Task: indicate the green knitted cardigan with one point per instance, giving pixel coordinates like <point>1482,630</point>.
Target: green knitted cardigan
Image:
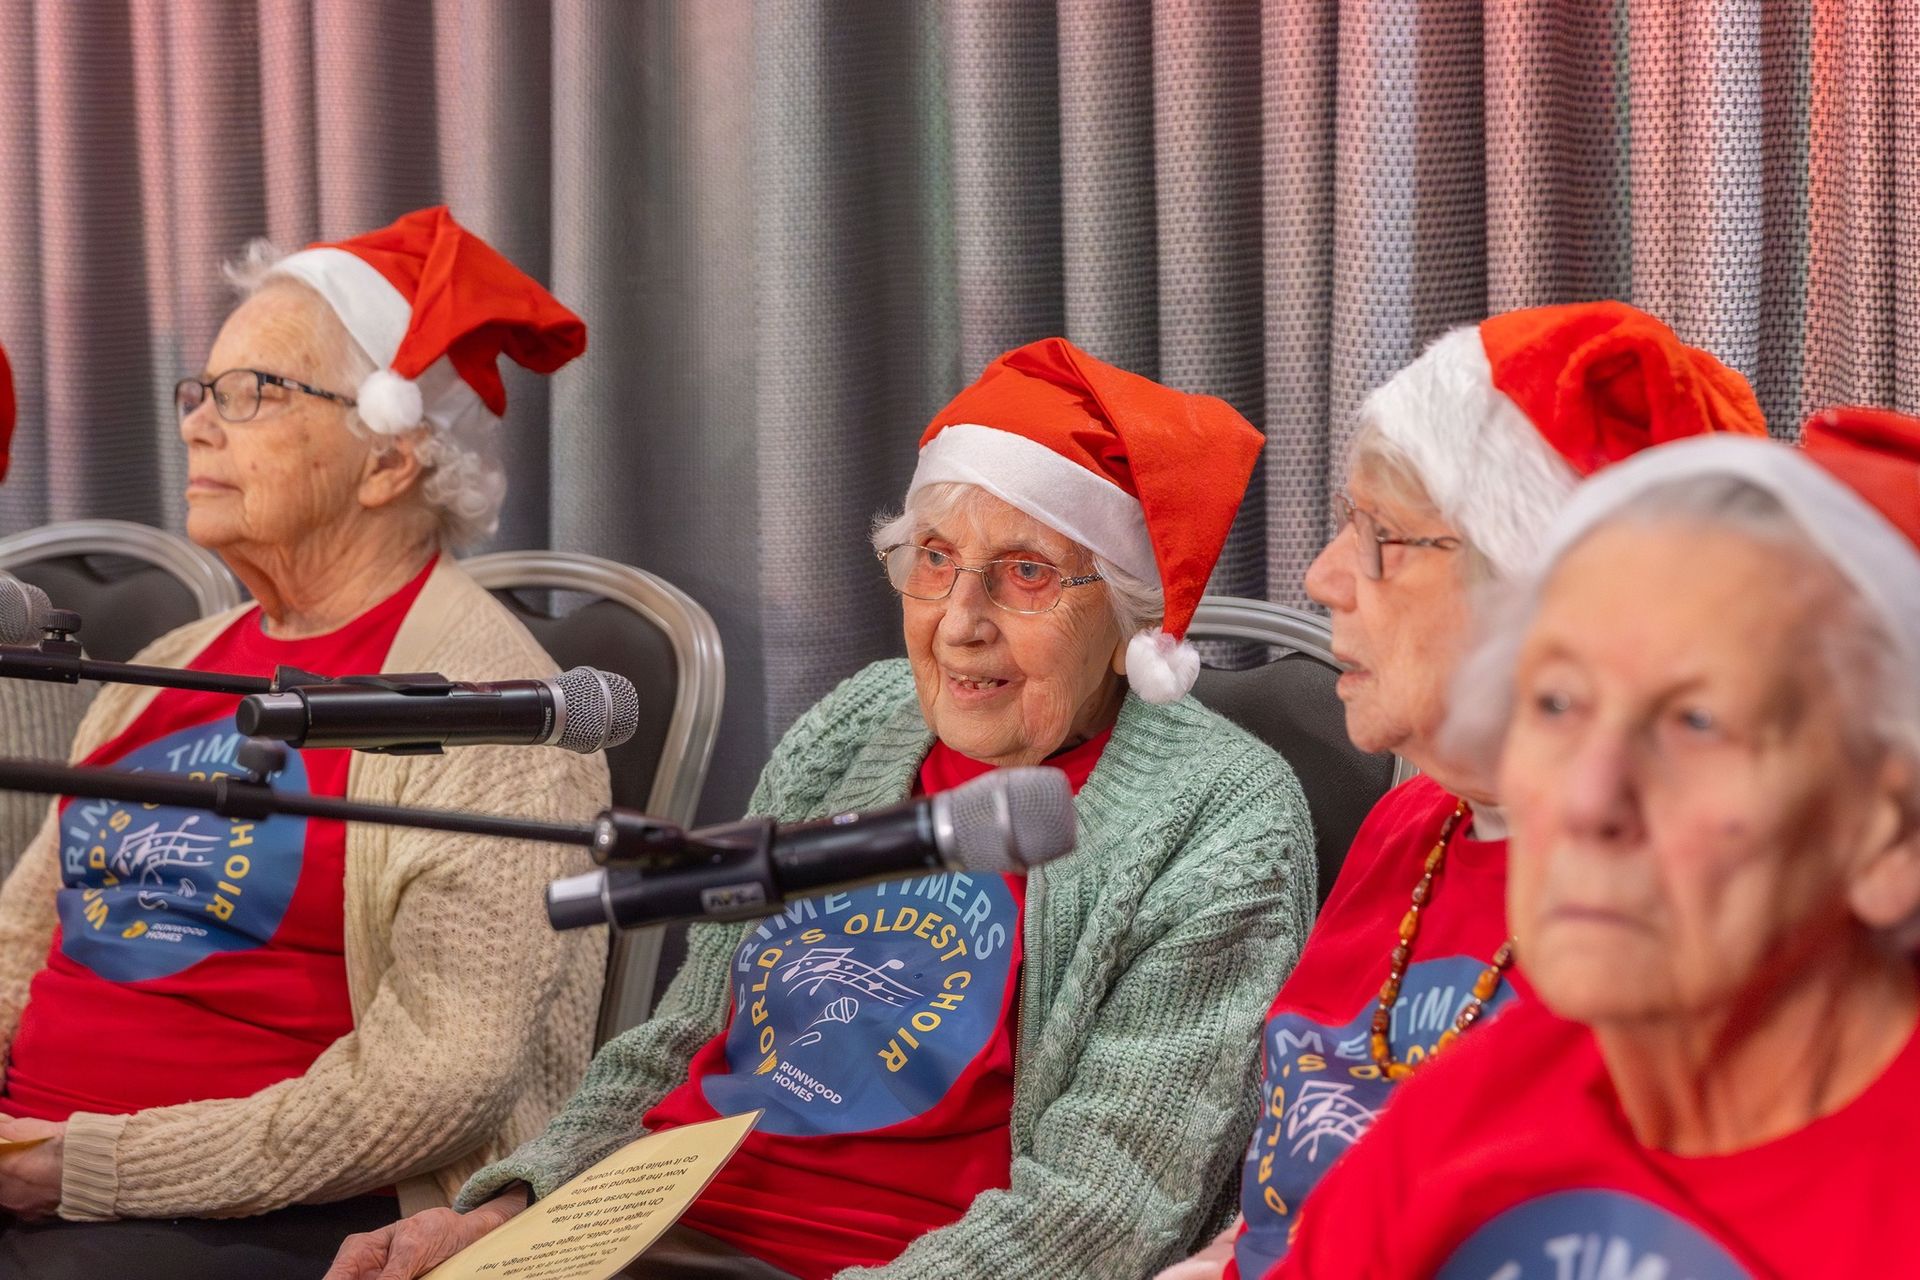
<point>1151,955</point>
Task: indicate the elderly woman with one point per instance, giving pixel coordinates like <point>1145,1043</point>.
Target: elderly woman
<point>212,1018</point>
<point>1712,767</point>
<point>1080,1111</point>
<point>1460,462</point>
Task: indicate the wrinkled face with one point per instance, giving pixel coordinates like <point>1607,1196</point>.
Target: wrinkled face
<point>1685,812</point>
<point>296,466</point>
<point>1009,688</point>
<point>1400,638</point>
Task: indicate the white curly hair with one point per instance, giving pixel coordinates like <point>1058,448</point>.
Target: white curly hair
<point>465,480</point>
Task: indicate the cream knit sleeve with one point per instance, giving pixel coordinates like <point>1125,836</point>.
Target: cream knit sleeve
<point>28,902</point>
<point>440,1050</point>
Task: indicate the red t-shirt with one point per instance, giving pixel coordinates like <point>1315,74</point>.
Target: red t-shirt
<point>1511,1160</point>
<point>1320,1089</point>
<point>876,1027</point>
<point>196,956</point>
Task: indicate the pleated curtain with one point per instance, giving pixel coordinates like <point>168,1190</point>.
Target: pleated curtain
<point>796,227</point>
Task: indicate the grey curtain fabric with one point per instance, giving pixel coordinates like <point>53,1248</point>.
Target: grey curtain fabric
<point>796,226</point>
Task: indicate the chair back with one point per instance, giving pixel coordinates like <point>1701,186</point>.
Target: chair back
<point>638,625</point>
<point>130,583</point>
<point>1289,703</point>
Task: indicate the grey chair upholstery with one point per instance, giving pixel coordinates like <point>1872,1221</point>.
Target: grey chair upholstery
<point>1290,704</point>
<point>129,583</point>
<point>646,629</point>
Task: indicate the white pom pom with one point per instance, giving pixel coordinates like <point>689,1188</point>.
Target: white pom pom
<point>1161,668</point>
<point>390,403</point>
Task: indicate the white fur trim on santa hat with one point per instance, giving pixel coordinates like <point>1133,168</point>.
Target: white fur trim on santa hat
<point>1058,492</point>
<point>1868,550</point>
<point>376,316</point>
<point>1489,471</point>
<point>389,403</point>
<point>1161,668</point>
<point>374,312</point>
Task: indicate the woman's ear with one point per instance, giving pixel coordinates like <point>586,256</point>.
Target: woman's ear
<point>1885,889</point>
<point>391,472</point>
<point>1119,660</point>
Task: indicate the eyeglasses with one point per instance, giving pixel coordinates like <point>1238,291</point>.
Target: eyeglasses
<point>1018,586</point>
<point>236,393</point>
<point>1367,527</point>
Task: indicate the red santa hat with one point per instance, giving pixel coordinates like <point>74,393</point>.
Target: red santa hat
<point>6,413</point>
<point>435,307</point>
<point>1502,419</point>
<point>1876,453</point>
<point>1146,477</point>
<point>1854,491</point>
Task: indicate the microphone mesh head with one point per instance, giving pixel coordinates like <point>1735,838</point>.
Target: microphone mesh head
<point>602,709</point>
<point>23,610</point>
<point>1012,819</point>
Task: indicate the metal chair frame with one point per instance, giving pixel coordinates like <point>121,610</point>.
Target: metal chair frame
<point>1263,622</point>
<point>699,660</point>
<point>214,589</point>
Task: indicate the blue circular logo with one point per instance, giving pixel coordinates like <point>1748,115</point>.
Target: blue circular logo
<point>856,1011</point>
<point>1321,1092</point>
<point>149,890</point>
<point>1590,1233</point>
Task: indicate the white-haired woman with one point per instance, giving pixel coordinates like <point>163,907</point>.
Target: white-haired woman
<point>986,1076</point>
<point>208,1018</point>
<point>1461,460</point>
<point>1711,765</point>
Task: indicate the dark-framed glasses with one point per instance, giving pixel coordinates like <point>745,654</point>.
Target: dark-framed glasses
<point>1372,538</point>
<point>236,393</point>
<point>1018,586</point>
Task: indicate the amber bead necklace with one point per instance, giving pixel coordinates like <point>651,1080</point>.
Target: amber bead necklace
<point>1483,987</point>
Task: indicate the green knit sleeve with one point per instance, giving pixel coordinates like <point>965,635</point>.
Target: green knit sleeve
<point>633,1071</point>
<point>1127,1163</point>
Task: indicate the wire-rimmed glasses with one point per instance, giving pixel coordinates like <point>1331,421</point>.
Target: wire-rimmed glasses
<point>1372,539</point>
<point>1018,586</point>
<point>236,393</point>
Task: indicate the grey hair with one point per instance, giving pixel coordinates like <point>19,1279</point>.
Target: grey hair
<point>1862,661</point>
<point>1137,604</point>
<point>463,480</point>
<point>1388,469</point>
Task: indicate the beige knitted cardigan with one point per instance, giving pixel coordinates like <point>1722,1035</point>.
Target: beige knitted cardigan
<point>473,1021</point>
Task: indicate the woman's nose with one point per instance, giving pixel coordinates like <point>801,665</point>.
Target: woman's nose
<point>969,615</point>
<point>1330,576</point>
<point>1600,795</point>
<point>201,425</point>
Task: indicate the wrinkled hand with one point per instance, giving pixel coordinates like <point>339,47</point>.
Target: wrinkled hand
<point>414,1246</point>
<point>30,1179</point>
<point>1210,1262</point>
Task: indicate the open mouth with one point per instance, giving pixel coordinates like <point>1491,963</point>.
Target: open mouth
<point>974,684</point>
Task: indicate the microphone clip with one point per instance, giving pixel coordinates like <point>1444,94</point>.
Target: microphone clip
<point>58,627</point>
<point>656,871</point>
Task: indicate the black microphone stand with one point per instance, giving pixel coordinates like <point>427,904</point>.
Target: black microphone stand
<point>250,796</point>
<point>60,662</point>
<point>58,659</point>
<point>655,869</point>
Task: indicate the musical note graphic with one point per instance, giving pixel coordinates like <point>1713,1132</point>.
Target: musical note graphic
<point>151,857</point>
<point>821,965</point>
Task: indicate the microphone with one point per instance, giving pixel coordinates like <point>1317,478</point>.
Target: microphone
<point>24,610</point>
<point>1008,820</point>
<point>582,710</point>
